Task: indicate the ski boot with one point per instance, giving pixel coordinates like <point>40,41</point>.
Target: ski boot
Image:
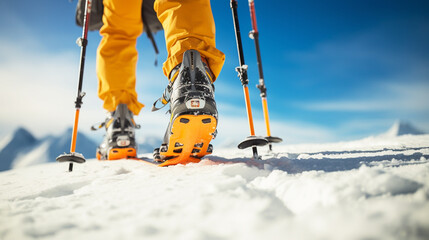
<point>193,112</point>
<point>119,141</point>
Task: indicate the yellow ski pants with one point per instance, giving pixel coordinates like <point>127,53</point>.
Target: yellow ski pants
<point>188,24</point>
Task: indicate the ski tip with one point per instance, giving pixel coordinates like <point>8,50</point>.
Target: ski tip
<point>71,157</point>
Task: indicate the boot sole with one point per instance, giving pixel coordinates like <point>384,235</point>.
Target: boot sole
<point>189,140</point>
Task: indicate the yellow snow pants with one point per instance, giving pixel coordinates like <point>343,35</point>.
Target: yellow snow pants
<point>188,24</point>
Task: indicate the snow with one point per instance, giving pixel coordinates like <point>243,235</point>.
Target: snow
<point>375,188</point>
<point>36,156</point>
<point>5,141</point>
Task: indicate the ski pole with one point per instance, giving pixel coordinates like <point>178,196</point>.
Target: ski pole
<point>81,42</point>
<point>254,34</point>
<point>252,140</point>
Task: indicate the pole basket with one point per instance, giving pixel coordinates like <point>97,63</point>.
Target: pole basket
<point>253,141</point>
<point>71,157</point>
<point>272,139</point>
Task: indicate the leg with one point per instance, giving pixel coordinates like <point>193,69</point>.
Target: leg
<point>117,54</point>
<point>190,37</point>
<point>189,24</point>
<point>116,70</point>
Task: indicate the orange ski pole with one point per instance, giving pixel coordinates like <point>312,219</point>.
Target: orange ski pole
<point>254,34</point>
<point>248,109</point>
<point>82,42</point>
<point>252,140</point>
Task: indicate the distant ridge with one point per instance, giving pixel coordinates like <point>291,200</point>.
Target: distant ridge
<point>400,128</point>
<point>19,142</point>
<point>22,149</point>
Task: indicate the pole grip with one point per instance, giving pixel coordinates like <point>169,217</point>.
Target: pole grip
<point>86,16</point>
<point>253,16</point>
<point>237,32</point>
<point>84,42</point>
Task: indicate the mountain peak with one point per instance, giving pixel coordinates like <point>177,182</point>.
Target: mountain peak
<point>22,133</point>
<point>20,141</point>
<point>400,128</point>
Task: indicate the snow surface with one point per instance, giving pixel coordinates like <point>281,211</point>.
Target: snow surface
<point>375,188</point>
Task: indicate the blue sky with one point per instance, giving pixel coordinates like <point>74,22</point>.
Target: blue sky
<point>335,70</point>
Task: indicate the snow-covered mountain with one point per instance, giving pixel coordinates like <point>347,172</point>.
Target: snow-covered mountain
<point>22,149</point>
<point>400,128</point>
<point>19,142</point>
<point>374,188</point>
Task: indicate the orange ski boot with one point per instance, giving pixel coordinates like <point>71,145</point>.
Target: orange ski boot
<point>119,141</point>
<point>193,113</point>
